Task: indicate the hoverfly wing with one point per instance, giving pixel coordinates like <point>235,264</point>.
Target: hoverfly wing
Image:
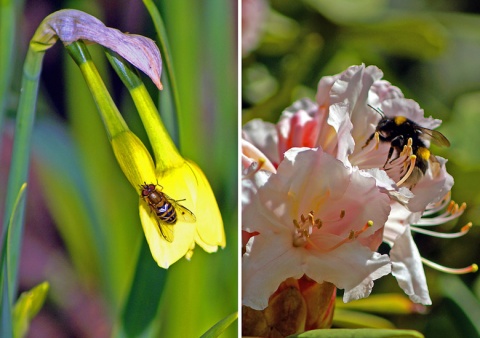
<point>183,214</point>
<point>436,137</point>
<point>166,230</point>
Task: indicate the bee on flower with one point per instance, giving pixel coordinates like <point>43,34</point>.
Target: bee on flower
<point>343,124</point>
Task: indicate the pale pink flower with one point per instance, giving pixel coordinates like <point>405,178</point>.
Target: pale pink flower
<point>343,119</point>
<point>313,217</point>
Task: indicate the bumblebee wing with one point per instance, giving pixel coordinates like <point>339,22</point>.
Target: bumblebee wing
<point>166,230</point>
<point>437,137</point>
<point>183,213</point>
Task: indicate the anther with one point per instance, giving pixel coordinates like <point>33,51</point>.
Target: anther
<point>467,227</point>
<point>310,218</point>
<point>451,205</point>
<point>413,158</point>
<point>377,140</point>
<point>365,228</point>
<point>304,227</point>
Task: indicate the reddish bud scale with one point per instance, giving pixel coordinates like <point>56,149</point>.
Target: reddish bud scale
<point>296,306</point>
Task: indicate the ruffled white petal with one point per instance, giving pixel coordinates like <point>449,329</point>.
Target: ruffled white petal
<point>268,261</point>
<point>407,268</point>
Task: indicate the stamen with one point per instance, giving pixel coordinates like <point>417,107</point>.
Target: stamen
<point>462,232</point>
<point>452,212</point>
<point>413,158</point>
<point>433,208</point>
<point>304,228</point>
<point>468,269</point>
<point>365,228</point>
<point>407,149</point>
<point>352,235</point>
<point>341,216</point>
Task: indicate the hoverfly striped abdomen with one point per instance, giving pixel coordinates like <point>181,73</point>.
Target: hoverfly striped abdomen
<point>166,212</point>
<point>166,209</point>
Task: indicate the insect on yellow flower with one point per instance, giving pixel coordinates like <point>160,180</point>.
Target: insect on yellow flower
<point>166,208</point>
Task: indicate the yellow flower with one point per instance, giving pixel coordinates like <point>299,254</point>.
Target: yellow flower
<point>180,181</point>
<point>183,182</point>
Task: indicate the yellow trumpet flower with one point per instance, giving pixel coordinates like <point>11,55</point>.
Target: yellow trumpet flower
<point>179,181</point>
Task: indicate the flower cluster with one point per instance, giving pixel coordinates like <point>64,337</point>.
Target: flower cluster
<point>326,185</point>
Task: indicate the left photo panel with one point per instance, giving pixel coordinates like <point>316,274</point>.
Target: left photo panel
<point>118,168</point>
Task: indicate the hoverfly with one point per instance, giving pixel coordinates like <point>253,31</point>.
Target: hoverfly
<point>398,130</point>
<point>167,209</point>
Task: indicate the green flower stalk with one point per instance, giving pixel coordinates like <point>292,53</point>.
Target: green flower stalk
<point>181,182</point>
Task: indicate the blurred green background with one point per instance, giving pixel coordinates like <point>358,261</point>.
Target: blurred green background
<point>82,231</point>
<point>430,50</point>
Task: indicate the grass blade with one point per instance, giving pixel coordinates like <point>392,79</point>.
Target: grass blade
<point>220,327</point>
<point>6,329</point>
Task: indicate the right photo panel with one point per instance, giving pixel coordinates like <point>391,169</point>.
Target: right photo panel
<point>359,168</point>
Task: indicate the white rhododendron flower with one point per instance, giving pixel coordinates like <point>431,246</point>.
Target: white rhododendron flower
<point>314,217</point>
<point>344,123</point>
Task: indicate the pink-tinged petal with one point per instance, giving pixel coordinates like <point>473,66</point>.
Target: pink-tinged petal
<point>262,135</point>
<point>436,183</point>
<point>400,218</point>
<point>339,119</point>
<point>251,154</point>
<point>252,181</point>
<point>409,109</point>
<point>323,90</point>
<point>311,180</point>
<point>348,111</point>
<point>379,265</point>
<point>387,185</point>
<point>250,188</point>
<point>383,90</point>
<point>336,244</point>
<point>352,260</point>
<point>266,265</point>
<point>305,173</point>
<point>407,268</point>
<point>298,126</point>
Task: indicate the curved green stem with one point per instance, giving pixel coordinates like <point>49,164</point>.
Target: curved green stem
<point>170,102</point>
<point>111,117</point>
<point>165,151</point>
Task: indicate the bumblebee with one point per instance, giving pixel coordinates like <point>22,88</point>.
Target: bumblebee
<point>166,208</point>
<point>398,130</point>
